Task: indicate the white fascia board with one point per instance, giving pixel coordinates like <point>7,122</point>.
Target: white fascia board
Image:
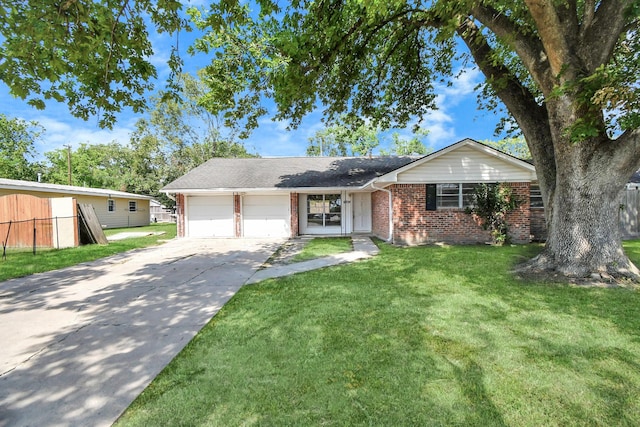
<point>370,185</point>
<point>80,191</point>
<point>275,190</point>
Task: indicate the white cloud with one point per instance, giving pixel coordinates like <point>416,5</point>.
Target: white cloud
<point>278,125</point>
<point>444,122</point>
<point>74,132</point>
<point>272,139</point>
<point>464,84</point>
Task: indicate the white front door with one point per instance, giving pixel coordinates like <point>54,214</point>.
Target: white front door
<point>361,203</point>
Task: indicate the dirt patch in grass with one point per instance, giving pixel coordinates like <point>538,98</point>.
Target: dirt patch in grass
<point>287,252</point>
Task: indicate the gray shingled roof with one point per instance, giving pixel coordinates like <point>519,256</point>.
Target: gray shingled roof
<point>286,172</point>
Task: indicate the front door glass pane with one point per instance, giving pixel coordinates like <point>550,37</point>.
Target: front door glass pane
<point>334,217</point>
<point>324,210</point>
<point>315,210</point>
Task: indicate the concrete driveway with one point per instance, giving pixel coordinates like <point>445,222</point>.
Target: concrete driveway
<point>78,345</point>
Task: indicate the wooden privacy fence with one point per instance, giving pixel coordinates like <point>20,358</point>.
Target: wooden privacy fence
<point>32,222</point>
<point>628,213</point>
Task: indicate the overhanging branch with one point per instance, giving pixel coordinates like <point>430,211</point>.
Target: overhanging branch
<point>532,118</point>
<point>603,33</point>
<point>553,37</point>
<point>528,48</point>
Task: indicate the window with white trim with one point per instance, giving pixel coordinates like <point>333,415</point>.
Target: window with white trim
<point>454,195</point>
<point>133,206</point>
<point>111,205</point>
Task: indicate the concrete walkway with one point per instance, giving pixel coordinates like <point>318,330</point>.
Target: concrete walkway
<point>363,248</point>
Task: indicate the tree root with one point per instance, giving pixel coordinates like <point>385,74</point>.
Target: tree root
<point>544,268</point>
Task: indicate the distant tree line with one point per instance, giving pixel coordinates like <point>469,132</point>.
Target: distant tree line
<point>342,139</point>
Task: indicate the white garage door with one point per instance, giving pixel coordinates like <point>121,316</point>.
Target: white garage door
<point>210,216</point>
<point>266,216</point>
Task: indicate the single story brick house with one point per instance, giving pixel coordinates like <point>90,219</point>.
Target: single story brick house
<point>405,200</point>
<point>113,208</point>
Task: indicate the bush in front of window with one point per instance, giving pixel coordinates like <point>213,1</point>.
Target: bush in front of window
<point>491,203</point>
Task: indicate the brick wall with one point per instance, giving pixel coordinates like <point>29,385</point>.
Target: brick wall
<point>295,224</point>
<point>237,216</point>
<point>380,214</point>
<point>180,214</point>
<point>519,220</point>
<point>413,224</point>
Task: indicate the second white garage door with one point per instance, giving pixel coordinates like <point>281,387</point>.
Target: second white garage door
<point>210,216</point>
<point>266,216</point>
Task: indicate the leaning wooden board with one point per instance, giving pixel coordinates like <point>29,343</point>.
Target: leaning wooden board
<point>89,220</point>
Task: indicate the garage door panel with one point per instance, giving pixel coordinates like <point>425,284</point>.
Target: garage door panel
<point>210,216</point>
<point>266,216</point>
<point>266,211</point>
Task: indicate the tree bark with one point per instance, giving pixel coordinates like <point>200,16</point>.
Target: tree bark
<point>584,237</point>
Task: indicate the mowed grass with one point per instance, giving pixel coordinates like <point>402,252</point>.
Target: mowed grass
<point>324,246</point>
<point>19,263</point>
<point>428,336</point>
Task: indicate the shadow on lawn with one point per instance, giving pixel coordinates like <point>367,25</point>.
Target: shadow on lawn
<point>560,328</point>
<point>391,326</point>
<point>92,336</point>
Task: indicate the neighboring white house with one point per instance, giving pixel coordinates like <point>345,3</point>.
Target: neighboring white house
<point>114,208</point>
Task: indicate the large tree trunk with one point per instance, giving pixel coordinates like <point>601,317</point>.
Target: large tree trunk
<point>583,203</point>
<point>584,237</point>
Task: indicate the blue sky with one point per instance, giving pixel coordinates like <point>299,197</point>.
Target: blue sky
<point>457,117</point>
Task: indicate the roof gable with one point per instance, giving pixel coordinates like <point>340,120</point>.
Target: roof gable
<point>464,161</point>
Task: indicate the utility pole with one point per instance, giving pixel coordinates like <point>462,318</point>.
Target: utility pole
<point>69,162</point>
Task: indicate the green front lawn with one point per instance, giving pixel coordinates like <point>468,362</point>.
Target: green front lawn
<point>415,336</point>
<point>324,246</point>
<point>21,263</point>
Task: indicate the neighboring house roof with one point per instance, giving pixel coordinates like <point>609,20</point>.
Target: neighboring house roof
<point>286,173</point>
<point>13,184</point>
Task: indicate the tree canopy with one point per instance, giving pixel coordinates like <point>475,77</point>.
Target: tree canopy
<point>401,146</point>
<point>17,139</point>
<point>340,140</point>
<point>95,56</point>
<point>176,136</point>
